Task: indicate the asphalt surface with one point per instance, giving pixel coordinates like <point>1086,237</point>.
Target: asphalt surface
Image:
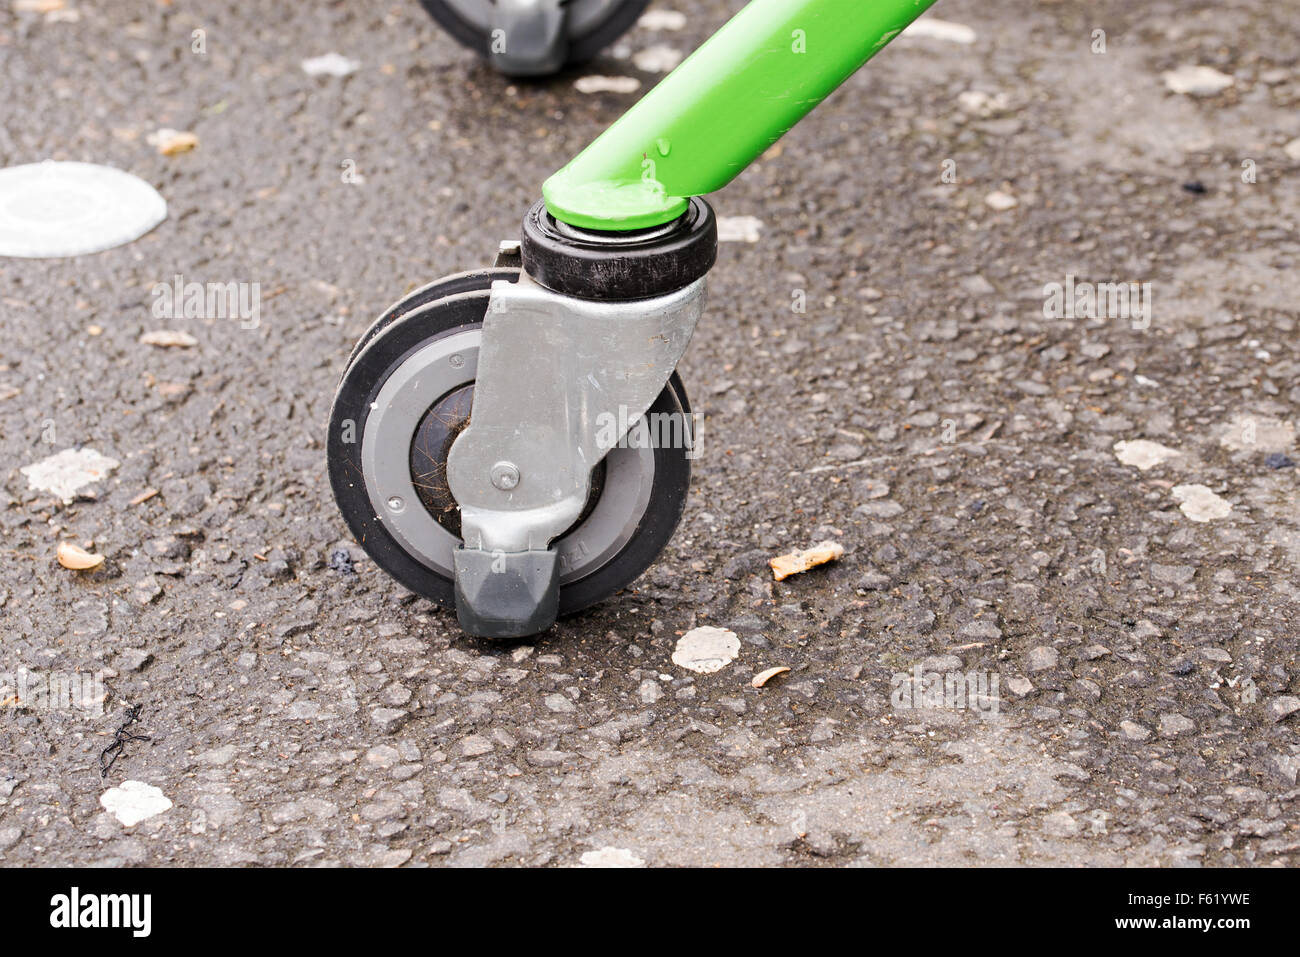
<point>922,411</point>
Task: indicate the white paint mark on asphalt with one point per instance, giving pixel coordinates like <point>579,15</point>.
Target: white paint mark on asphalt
<point>66,473</point>
<point>662,20</point>
<point>932,28</point>
<point>658,59</point>
<point>1000,201</point>
<point>168,339</point>
<point>607,84</point>
<point>134,801</point>
<point>53,210</point>
<point>1199,503</point>
<point>739,229</point>
<point>1197,80</point>
<point>331,64</point>
<point>611,857</point>
<point>706,650</point>
<point>1144,454</point>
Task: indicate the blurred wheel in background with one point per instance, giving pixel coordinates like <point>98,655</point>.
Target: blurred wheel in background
<point>535,37</point>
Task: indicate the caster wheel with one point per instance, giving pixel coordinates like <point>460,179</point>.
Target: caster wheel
<point>592,24</point>
<point>406,395</point>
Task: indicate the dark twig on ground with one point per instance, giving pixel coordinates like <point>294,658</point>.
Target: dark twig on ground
<point>108,757</point>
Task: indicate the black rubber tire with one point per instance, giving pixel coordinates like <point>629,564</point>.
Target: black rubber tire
<point>389,341</point>
<point>438,289</point>
<point>581,48</point>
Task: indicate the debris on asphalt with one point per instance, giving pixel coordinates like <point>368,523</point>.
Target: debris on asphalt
<point>1199,503</point>
<point>1292,149</point>
<point>1197,80</point>
<point>171,142</point>
<point>662,20</point>
<point>783,566</point>
<point>706,649</point>
<point>763,677</point>
<point>168,338</point>
<point>1277,460</point>
<point>659,58</point>
<point>66,473</point>
<point>134,801</point>
<point>932,28</point>
<point>330,64</point>
<point>739,229</point>
<point>143,496</point>
<point>341,562</point>
<point>1000,201</point>
<point>611,857</point>
<point>77,558</point>
<point>981,104</point>
<point>38,6</point>
<point>607,84</point>
<point>53,210</point>
<point>1143,454</point>
<point>108,757</point>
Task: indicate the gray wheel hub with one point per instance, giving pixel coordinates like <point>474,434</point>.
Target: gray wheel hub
<point>431,372</point>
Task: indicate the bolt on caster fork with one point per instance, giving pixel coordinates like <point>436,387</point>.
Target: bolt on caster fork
<point>470,443</point>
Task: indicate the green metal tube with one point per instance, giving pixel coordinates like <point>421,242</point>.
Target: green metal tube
<point>722,108</point>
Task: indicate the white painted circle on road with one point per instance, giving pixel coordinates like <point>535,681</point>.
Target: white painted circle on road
<point>53,210</point>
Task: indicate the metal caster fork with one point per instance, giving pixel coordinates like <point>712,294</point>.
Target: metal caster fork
<point>519,451</point>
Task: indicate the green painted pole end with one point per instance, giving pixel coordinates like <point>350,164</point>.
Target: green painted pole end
<point>605,205</point>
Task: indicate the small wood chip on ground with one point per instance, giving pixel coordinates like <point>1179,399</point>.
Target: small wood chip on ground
<point>763,677</point>
<point>77,558</point>
<point>168,338</point>
<point>169,142</point>
<point>783,566</point>
<point>143,496</point>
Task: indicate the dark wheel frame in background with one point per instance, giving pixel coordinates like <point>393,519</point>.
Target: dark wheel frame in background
<point>581,48</point>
